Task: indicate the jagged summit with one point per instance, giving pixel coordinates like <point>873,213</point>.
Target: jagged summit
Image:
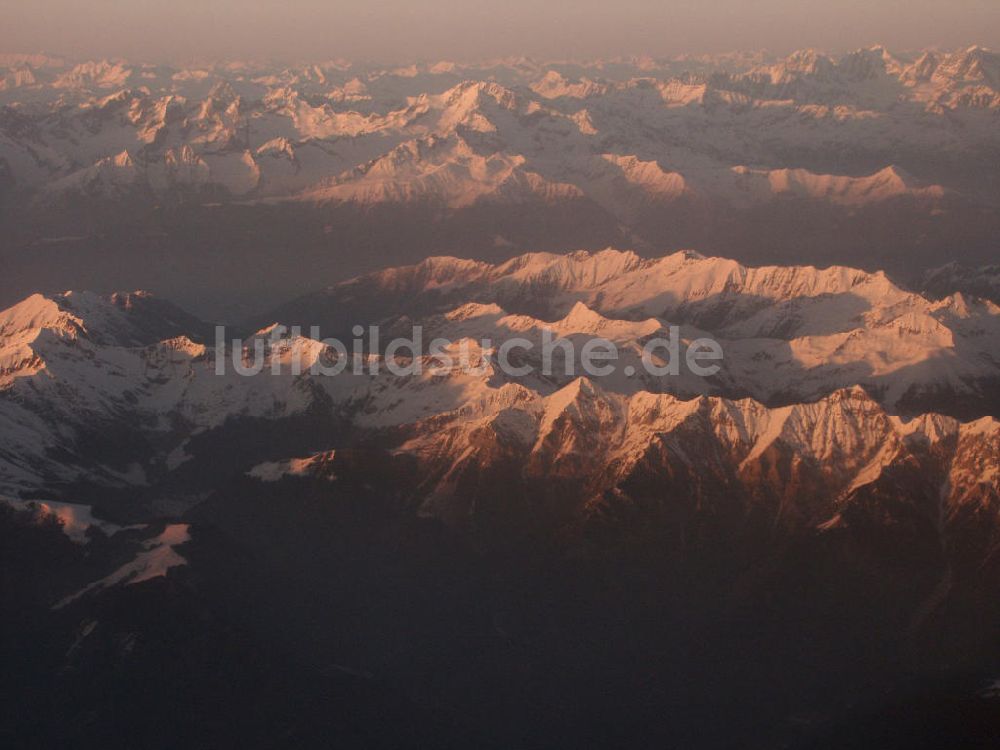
<point>694,276</point>
<point>122,318</point>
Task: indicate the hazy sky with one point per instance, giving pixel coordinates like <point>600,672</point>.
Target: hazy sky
<point>397,30</point>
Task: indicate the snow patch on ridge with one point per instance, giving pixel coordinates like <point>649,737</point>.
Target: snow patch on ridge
<point>157,558</point>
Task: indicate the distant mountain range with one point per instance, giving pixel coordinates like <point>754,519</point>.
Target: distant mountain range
<point>616,132</point>
<point>738,155</point>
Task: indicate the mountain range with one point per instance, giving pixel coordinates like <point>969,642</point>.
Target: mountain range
<point>839,470</point>
<point>284,460</point>
<point>834,374</point>
<point>736,155</point>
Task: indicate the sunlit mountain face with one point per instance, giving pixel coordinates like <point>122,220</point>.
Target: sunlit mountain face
<point>615,403</point>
